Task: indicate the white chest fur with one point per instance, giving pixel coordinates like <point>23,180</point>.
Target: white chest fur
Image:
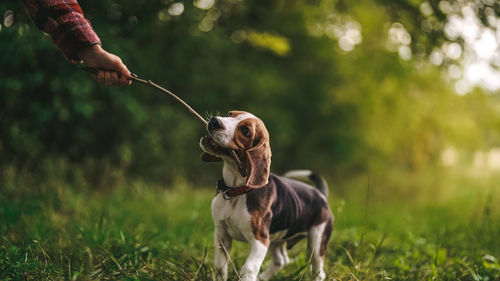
<point>231,216</point>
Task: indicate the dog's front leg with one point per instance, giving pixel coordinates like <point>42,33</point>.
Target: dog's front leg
<point>251,268</point>
<point>222,245</point>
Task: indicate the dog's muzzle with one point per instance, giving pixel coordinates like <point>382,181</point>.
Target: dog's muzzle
<point>214,124</point>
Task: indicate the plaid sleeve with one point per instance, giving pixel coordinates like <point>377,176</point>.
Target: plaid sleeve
<point>63,20</point>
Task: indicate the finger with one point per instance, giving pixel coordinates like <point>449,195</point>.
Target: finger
<point>124,81</point>
<point>122,68</point>
<point>107,78</point>
<point>100,76</point>
<point>115,80</point>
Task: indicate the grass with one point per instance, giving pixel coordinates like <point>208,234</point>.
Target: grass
<point>55,229</point>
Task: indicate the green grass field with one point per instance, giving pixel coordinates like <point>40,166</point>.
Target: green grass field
<point>134,231</point>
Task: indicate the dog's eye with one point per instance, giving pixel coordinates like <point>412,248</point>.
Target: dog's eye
<point>245,131</point>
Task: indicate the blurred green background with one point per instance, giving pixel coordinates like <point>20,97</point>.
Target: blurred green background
<point>395,102</point>
<point>345,87</point>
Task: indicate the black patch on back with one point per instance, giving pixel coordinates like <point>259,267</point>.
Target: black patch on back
<point>295,206</point>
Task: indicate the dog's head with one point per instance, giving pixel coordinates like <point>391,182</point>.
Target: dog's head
<point>247,136</point>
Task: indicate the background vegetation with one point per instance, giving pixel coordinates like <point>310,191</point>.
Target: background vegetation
<point>105,183</point>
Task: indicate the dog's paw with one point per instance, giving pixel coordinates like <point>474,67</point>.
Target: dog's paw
<point>320,276</point>
<point>262,277</point>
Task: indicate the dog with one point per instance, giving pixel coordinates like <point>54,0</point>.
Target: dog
<point>270,212</point>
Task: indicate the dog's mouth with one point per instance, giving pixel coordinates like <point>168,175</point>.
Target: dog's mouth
<point>213,152</point>
<point>212,147</point>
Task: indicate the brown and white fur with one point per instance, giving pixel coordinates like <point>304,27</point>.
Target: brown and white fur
<point>274,213</point>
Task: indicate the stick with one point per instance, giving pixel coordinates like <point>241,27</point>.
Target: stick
<point>159,88</point>
<point>165,91</point>
<point>187,106</point>
<point>238,163</point>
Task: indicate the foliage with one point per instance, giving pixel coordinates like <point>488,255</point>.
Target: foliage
<point>326,108</point>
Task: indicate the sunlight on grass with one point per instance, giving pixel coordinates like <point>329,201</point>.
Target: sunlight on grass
<point>144,232</point>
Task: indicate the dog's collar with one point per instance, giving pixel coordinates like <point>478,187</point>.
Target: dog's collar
<point>230,192</point>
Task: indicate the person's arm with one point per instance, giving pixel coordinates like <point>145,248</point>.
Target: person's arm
<point>63,20</point>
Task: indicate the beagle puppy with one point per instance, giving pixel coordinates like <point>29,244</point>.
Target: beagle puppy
<point>270,212</point>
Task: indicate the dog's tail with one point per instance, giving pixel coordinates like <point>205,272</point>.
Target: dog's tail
<point>307,175</point>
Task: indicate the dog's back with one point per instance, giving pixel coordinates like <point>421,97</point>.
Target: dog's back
<point>308,175</point>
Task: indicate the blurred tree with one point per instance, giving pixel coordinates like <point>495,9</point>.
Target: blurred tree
<point>343,86</point>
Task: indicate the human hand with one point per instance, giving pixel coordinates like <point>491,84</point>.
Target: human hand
<point>111,70</point>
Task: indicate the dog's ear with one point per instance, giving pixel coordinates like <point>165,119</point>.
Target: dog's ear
<point>258,162</point>
<point>207,157</point>
<point>234,113</point>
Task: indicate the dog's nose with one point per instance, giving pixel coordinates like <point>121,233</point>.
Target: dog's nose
<point>214,124</point>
